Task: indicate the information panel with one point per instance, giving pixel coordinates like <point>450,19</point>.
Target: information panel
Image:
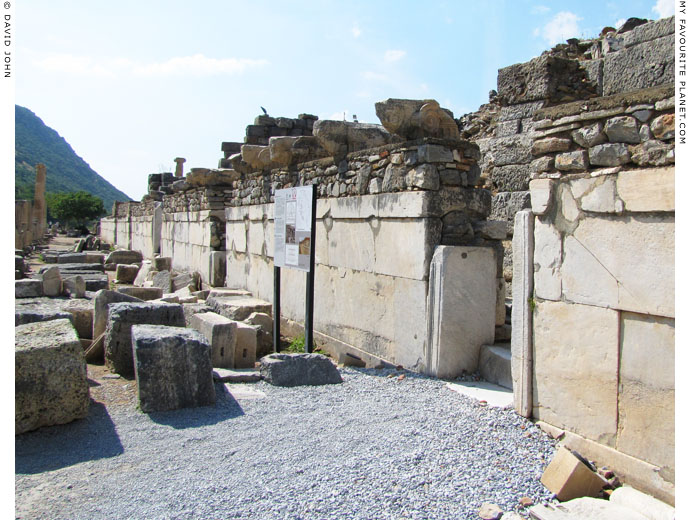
<point>292,218</point>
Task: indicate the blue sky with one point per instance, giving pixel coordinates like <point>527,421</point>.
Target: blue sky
<point>132,85</point>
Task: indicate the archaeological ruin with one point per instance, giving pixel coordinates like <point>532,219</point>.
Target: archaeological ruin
<point>531,241</point>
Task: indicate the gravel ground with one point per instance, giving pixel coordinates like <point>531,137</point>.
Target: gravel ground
<point>374,447</point>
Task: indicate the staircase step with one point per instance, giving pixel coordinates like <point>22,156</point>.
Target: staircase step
<point>494,364</point>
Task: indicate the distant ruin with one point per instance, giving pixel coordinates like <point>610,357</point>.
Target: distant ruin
<point>559,192</point>
<point>30,217</point>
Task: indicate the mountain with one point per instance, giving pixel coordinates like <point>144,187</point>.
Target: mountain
<point>34,142</point>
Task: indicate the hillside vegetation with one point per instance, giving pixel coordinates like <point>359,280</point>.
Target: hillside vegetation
<point>66,171</point>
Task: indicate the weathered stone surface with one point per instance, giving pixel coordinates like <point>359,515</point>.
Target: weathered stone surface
<point>124,256</point>
<point>542,164</point>
<point>647,190</point>
<point>505,205</point>
<point>664,127</point>
<point>491,229</point>
<point>238,307</point>
<point>341,137</point>
<point>143,293</point>
<point>172,367</point>
<point>609,154</point>
<point>142,273</point>
<point>649,507</point>
<point>225,375</point>
<point>66,269</point>
<point>118,332</point>
<point>652,153</point>
<point>28,288</point>
<point>126,273</point>
<point>624,72</point>
<point>589,136</point>
<point>511,150</point>
<point>246,346</point>
<point>298,370</point>
<point>572,161</point>
<point>81,315</point>
<point>264,338</point>
<point>162,263</point>
<point>33,314</point>
<point>511,177</point>
<point>622,129</point>
<point>494,365</point>
<point>424,176</point>
<point>588,507</point>
<point>224,177</point>
<point>220,332</point>
<point>541,195</point>
<point>72,258</point>
<point>74,286</point>
<point>615,262</point>
<point>52,281</point>
<point>647,389</point>
<point>586,404</point>
<point>457,332</point>
<point>162,280</point>
<point>429,153</point>
<point>50,375</point>
<point>185,280</point>
<point>414,119</point>
<point>547,261</point>
<point>550,144</point>
<point>190,309</point>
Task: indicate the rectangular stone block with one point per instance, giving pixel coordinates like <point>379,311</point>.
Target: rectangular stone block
<point>72,258</point>
<point>220,332</point>
<point>49,375</point>
<point>568,478</point>
<point>245,348</point>
<point>576,375</point>
<point>143,293</point>
<point>646,411</point>
<point>118,332</point>
<point>172,368</point>
<point>623,73</point>
<point>647,190</point>
<point>238,307</point>
<point>28,288</point>
<point>461,308</point>
<point>217,268</point>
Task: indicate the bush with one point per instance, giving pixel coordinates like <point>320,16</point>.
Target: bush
<point>76,208</point>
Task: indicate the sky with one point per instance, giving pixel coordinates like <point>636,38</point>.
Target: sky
<point>131,85</point>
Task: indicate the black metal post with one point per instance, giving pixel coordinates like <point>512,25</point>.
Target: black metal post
<point>309,309</point>
<point>276,309</point>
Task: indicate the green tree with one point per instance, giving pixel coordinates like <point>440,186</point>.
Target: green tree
<point>76,208</point>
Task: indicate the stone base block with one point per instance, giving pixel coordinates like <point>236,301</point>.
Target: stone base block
<point>50,375</point>
<point>28,288</point>
<point>299,369</point>
<point>126,273</point>
<point>143,293</point>
<point>245,348</point>
<point>238,307</point>
<point>220,332</point>
<point>172,367</point>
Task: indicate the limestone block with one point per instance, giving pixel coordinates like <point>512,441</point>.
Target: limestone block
<point>182,280</point>
<point>505,205</point>
<point>423,176</point>
<point>589,507</point>
<point>351,244</point>
<point>589,136</point>
<point>568,477</point>
<point>646,411</point>
<point>622,129</point>
<point>220,332</point>
<point>142,273</point>
<point>52,281</point>
<point>81,312</point>
<point>49,375</point>
<point>572,161</point>
<point>623,71</point>
<point>491,229</point>
<point>416,237</point>
<point>341,137</point>
<point>542,164</point>
<point>414,119</point>
<point>515,149</point>
<point>461,308</point>
<point>217,268</point>
<point>500,302</point>
<point>601,198</point>
<point>264,344</point>
<point>298,370</point>
<point>575,374</point>
<point>647,190</point>
<point>28,288</point>
<point>66,269</point>
<point>72,258</point>
<point>126,273</point>
<point>547,283</point>
<point>172,368</point>
<point>143,293</point>
<point>494,365</point>
<point>568,204</point>
<point>624,263</point>
<point>541,195</point>
<point>429,153</point>
<point>190,309</point>
<point>246,344</point>
<point>124,256</point>
<point>649,507</point>
<point>547,260</point>
<point>162,263</point>
<point>203,177</point>
<point>23,315</point>
<point>162,280</point>
<point>511,177</point>
<point>238,307</point>
<point>550,144</point>
<point>118,332</point>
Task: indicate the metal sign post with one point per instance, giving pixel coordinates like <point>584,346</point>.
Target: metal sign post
<point>295,232</point>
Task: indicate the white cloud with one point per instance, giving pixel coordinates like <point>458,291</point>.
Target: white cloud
<point>539,9</point>
<point>619,23</point>
<point>356,31</point>
<point>196,65</point>
<point>664,8</point>
<point>374,76</point>
<point>560,28</point>
<point>394,55</point>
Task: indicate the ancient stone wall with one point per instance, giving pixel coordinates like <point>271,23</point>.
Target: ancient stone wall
<point>23,235</point>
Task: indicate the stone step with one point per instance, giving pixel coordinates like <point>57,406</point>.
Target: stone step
<point>494,364</point>
<point>236,375</point>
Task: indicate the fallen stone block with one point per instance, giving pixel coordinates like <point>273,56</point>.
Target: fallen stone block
<point>648,506</point>
<point>568,477</point>
<point>74,286</point>
<point>169,298</point>
<point>264,340</point>
<point>187,299</point>
<point>143,272</point>
<point>52,281</point>
<point>71,258</point>
<point>126,273</point>
<point>94,258</point>
<point>183,280</point>
<point>24,316</point>
<point>299,369</point>
<point>121,318</point>
<point>585,508</point>
<point>238,307</point>
<point>124,256</point>
<point>414,119</point>
<point>93,281</point>
<point>81,312</point>
<point>28,288</point>
<point>245,346</point>
<point>220,332</point>
<point>190,309</point>
<point>162,280</point>
<point>65,268</point>
<point>162,263</point>
<point>172,368</point>
<point>224,292</point>
<point>143,293</point>
<point>50,375</point>
<point>225,375</point>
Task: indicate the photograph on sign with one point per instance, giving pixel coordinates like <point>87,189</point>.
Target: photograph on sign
<point>293,219</point>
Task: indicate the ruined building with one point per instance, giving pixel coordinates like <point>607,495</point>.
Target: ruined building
<point>559,192</point>
<point>30,216</point>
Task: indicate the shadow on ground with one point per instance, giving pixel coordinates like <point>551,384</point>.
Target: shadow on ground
<point>226,407</point>
<point>55,447</point>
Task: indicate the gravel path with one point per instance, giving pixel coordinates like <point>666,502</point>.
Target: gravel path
<point>375,447</point>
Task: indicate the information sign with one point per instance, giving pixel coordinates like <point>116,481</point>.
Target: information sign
<point>293,233</point>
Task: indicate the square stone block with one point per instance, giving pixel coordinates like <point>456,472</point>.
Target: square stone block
<point>245,348</point>
<point>172,366</point>
<point>220,332</point>
<point>575,375</point>
<point>50,375</point>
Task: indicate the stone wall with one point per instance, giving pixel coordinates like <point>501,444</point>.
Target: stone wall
<point>23,233</point>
